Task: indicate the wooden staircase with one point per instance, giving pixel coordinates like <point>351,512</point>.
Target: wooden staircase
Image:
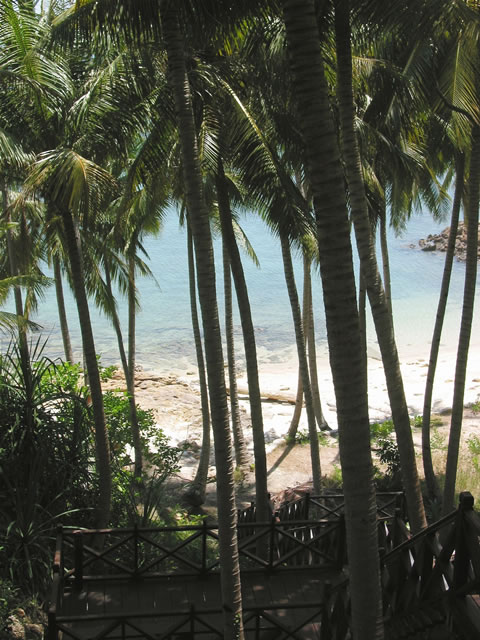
<point>164,583</point>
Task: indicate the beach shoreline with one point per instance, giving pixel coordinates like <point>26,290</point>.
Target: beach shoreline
<point>175,401</point>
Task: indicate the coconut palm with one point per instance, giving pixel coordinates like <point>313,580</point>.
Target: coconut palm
<point>73,186</point>
<point>430,479</point>
<point>378,302</point>
<point>325,177</point>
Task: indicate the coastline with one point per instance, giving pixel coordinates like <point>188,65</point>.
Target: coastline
<point>175,400</point>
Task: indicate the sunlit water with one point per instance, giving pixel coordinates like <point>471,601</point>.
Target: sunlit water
<point>164,334</point>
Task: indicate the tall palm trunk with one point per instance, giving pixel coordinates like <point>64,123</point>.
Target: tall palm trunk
<point>432,484</point>
<point>325,174</point>
<point>62,313</point>
<point>311,346</point>
<point>471,215</point>
<point>131,362</point>
<point>132,320</point>
<point>198,487</point>
<point>387,282</point>
<point>227,520</point>
<point>241,454</point>
<point>261,492</point>
<point>132,407</point>
<point>368,264</point>
<point>302,363</point>
<point>72,238</point>
<point>297,412</point>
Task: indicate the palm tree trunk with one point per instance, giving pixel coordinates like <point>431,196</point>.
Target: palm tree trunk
<point>228,235</point>
<point>471,215</point>
<point>132,407</point>
<point>132,316</point>
<point>387,282</point>
<point>297,412</point>
<point>362,312</point>
<point>369,268</point>
<point>432,484</point>
<point>62,313</point>
<point>101,436</point>
<point>227,515</point>
<point>241,454</point>
<point>302,363</point>
<point>198,487</point>
<point>325,174</point>
<point>311,346</point>
<point>293,428</point>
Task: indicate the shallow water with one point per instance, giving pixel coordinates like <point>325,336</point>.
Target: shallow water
<point>164,335</point>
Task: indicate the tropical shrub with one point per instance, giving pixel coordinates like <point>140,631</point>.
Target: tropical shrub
<point>47,463</point>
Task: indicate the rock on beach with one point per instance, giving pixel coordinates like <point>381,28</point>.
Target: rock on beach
<point>439,242</point>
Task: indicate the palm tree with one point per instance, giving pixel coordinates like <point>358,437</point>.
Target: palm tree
<point>197,489</point>
<point>366,248</point>
<point>325,176</point>
<point>431,481</point>
<point>303,363</point>
<point>241,454</point>
<point>74,186</point>
<point>261,494</point>
<point>199,220</point>
<point>471,214</point>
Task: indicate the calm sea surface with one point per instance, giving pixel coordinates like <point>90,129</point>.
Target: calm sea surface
<point>164,334</point>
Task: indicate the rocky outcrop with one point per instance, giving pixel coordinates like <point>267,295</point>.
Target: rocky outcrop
<point>439,242</point>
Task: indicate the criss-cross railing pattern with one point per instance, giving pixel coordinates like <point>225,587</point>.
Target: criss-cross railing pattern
<point>428,580</point>
<point>193,550</point>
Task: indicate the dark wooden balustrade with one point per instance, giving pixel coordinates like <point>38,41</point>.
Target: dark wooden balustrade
<point>431,581</point>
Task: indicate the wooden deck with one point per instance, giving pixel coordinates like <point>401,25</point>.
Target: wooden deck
<point>164,583</point>
<point>285,604</point>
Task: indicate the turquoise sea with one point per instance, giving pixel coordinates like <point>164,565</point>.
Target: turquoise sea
<point>164,335</point>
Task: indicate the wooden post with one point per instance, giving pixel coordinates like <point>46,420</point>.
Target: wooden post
<point>203,570</point>
<point>78,550</point>
<point>341,542</point>
<point>192,621</point>
<point>135,549</point>
<point>52,633</point>
<point>307,505</point>
<point>326,625</point>
<point>462,561</point>
<point>272,543</point>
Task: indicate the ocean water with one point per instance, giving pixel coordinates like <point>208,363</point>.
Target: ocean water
<point>164,334</point>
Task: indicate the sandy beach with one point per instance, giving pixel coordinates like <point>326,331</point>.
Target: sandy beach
<point>175,401</point>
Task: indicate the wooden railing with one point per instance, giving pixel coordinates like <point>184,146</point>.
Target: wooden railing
<point>428,579</point>
<point>258,622</point>
<point>193,550</point>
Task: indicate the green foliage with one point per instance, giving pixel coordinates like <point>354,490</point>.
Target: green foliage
<point>473,444</point>
<point>382,434</point>
<point>106,373</point>
<point>380,430</point>
<point>303,437</point>
<point>8,600</point>
<point>45,464</point>
<point>137,501</point>
<point>416,422</point>
<point>47,469</point>
<point>476,407</point>
<point>335,479</point>
<point>437,440</point>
